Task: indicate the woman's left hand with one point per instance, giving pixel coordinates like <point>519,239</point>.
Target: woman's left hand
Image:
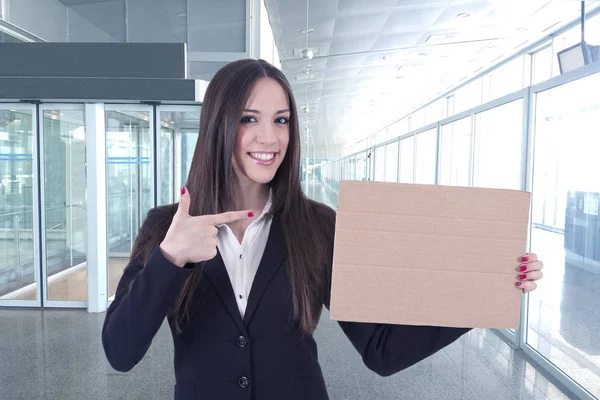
<point>529,271</point>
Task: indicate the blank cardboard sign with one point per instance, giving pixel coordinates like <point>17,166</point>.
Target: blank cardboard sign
<point>428,255</point>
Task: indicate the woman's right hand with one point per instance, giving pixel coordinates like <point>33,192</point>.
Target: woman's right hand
<point>194,239</point>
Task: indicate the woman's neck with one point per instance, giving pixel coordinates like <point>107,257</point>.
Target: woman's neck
<point>251,196</point>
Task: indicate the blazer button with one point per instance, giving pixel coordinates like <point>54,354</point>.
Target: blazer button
<point>244,382</point>
<point>242,341</point>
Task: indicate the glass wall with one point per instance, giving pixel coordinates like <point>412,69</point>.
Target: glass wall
<point>129,182</point>
<point>18,269</point>
<point>391,162</point>
<point>179,126</point>
<point>65,203</point>
<point>426,157</point>
<point>380,164</point>
<point>564,313</point>
<point>189,137</point>
<point>545,139</point>
<point>455,153</point>
<point>407,160</point>
<point>498,143</point>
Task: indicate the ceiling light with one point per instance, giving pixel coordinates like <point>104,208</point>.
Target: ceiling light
<point>463,15</point>
<point>307,54</point>
<point>309,30</point>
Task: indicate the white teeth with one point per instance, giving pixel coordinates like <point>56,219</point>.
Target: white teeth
<point>263,156</point>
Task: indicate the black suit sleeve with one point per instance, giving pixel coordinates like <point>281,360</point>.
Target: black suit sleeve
<point>144,296</point>
<point>388,349</point>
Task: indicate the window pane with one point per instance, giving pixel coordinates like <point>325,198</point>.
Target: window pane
<point>467,97</point>
<point>65,204</point>
<point>407,160</point>
<point>189,137</point>
<point>17,273</point>
<point>391,162</point>
<point>498,147</point>
<point>361,167</point>
<point>455,153</point>
<point>129,184</point>
<point>542,65</point>
<point>380,164</point>
<point>505,80</point>
<point>426,152</point>
<point>564,313</point>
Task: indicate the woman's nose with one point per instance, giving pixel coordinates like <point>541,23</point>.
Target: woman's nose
<point>266,135</point>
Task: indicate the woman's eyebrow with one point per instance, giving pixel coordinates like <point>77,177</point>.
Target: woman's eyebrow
<point>258,112</point>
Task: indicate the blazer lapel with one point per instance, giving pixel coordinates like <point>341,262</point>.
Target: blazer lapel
<point>216,272</point>
<point>272,259</point>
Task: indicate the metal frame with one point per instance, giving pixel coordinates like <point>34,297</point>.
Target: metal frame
<point>97,254</point>
<point>36,209</point>
<point>42,196</point>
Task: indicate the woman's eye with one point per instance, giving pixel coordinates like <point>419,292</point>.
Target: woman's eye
<point>282,120</point>
<point>248,119</point>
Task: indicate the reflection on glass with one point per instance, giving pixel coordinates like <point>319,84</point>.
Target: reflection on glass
<point>455,153</point>
<point>391,162</point>
<point>564,313</point>
<point>17,269</point>
<point>173,124</point>
<point>380,164</point>
<point>361,167</point>
<point>498,147</point>
<point>407,160</point>
<point>426,153</point>
<point>129,184</point>
<point>188,145</point>
<point>65,204</point>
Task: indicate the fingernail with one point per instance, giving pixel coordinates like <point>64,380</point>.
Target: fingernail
<point>523,268</point>
<point>524,259</point>
<point>518,283</point>
<point>182,190</point>
<point>523,276</point>
<point>250,214</point>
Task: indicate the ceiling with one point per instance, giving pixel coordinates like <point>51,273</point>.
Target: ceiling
<point>374,61</point>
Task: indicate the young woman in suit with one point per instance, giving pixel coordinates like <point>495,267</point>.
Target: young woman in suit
<point>241,266</point>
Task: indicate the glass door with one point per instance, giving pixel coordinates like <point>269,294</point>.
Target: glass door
<point>130,183</point>
<point>179,126</point>
<point>64,200</point>
<point>19,228</point>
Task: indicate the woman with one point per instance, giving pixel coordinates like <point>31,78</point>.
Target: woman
<point>241,266</point>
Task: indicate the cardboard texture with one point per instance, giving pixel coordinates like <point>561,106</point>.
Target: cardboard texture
<point>428,255</point>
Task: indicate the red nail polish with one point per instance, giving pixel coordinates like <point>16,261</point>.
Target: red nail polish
<point>250,214</point>
<point>518,283</point>
<point>523,268</point>
<point>524,259</point>
<point>521,277</point>
<point>182,190</point>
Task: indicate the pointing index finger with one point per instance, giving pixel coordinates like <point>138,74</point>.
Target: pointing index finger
<point>231,216</point>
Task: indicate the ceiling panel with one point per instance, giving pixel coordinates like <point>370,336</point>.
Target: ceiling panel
<point>411,50</point>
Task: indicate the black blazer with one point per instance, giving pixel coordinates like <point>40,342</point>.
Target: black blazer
<point>262,357</point>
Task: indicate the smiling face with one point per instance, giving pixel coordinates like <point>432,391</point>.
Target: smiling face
<point>263,134</point>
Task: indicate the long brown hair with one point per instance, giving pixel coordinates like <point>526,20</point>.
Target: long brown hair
<point>307,226</point>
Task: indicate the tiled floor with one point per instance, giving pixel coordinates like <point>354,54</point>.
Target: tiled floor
<point>57,354</point>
